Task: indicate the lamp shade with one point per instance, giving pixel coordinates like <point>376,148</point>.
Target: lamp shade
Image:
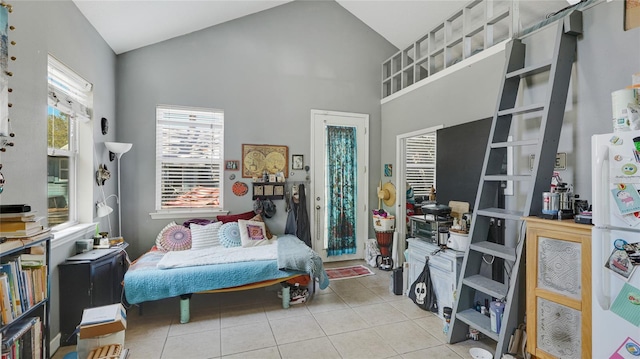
<point>103,209</point>
<point>118,147</point>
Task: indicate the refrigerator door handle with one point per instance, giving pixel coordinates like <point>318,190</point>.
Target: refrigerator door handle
<point>601,278</point>
<point>601,177</point>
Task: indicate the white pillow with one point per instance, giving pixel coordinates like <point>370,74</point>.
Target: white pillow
<point>252,233</point>
<point>205,236</point>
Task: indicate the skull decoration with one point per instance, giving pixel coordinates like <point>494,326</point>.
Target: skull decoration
<point>421,292</point>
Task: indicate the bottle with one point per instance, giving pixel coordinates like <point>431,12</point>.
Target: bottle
<point>265,176</point>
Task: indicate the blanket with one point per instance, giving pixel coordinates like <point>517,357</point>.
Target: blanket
<point>294,254</point>
<point>217,255</point>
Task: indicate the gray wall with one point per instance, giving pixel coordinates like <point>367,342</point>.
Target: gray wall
<point>607,57</point>
<point>266,71</point>
<point>58,28</point>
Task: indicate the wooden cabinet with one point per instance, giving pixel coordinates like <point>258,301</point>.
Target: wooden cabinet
<point>558,289</point>
<point>444,267</point>
<point>26,315</point>
<point>86,284</point>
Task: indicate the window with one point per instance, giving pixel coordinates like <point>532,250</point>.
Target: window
<point>69,97</point>
<point>189,157</point>
<point>421,163</point>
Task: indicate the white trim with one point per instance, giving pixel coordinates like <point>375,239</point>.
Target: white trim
<point>54,344</point>
<point>72,234</point>
<point>187,214</point>
<point>453,68</point>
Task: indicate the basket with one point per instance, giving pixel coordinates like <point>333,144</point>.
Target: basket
<point>382,224</point>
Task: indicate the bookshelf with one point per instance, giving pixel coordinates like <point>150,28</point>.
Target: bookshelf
<point>24,297</point>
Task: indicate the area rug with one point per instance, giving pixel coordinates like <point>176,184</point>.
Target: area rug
<point>348,272</point>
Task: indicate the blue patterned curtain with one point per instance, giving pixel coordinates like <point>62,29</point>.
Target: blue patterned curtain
<point>341,190</point>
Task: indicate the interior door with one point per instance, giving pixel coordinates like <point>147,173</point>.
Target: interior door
<point>337,211</point>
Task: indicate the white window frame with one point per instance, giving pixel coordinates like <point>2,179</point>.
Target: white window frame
<point>213,155</point>
<point>71,94</point>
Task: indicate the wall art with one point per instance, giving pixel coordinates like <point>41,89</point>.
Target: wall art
<point>256,159</point>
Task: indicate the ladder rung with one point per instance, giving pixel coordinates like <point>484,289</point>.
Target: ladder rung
<point>530,70</point>
<point>487,286</point>
<point>514,143</point>
<point>478,321</point>
<point>521,110</point>
<point>519,178</point>
<point>494,249</point>
<point>501,213</point>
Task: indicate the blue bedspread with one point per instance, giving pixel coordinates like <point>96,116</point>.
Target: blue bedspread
<point>145,282</point>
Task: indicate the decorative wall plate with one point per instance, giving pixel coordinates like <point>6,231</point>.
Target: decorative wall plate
<point>240,188</point>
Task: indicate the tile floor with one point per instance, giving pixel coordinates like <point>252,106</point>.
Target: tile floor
<point>353,318</point>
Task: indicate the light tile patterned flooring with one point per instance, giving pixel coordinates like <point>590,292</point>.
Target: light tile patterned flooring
<point>353,318</point>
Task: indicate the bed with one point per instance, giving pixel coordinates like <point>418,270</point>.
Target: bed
<point>158,274</point>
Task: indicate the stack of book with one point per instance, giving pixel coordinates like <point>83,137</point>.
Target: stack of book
<point>18,221</point>
<point>23,284</point>
<point>23,340</point>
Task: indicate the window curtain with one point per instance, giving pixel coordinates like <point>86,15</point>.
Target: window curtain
<point>341,190</point>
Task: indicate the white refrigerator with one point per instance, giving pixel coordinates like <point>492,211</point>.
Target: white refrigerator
<point>616,245</point>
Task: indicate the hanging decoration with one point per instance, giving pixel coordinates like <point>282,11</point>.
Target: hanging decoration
<point>102,174</point>
<point>6,134</point>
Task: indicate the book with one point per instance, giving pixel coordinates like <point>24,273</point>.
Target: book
<point>22,233</point>
<point>103,320</point>
<point>19,217</point>
<point>15,208</point>
<point>9,226</point>
<point>16,331</point>
<point>5,303</point>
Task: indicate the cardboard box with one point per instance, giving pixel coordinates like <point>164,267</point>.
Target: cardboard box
<point>103,320</point>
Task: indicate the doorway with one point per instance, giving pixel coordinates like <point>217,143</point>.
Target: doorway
<point>340,189</point>
<point>402,144</point>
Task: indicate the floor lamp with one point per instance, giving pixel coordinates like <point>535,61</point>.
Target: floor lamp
<point>119,149</point>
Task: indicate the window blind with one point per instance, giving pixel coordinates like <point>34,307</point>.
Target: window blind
<point>189,156</point>
<point>68,92</point>
<point>421,163</point>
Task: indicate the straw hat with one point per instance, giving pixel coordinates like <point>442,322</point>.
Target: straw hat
<point>387,193</point>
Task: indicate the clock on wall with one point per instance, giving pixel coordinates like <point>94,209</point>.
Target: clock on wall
<point>259,158</point>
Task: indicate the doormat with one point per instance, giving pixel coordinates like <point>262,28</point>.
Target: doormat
<point>348,272</point>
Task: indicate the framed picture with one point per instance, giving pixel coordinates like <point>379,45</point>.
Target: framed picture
<point>231,165</point>
<point>297,162</point>
<point>631,14</point>
<point>259,158</point>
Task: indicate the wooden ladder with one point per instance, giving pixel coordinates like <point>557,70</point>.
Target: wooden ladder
<point>472,283</point>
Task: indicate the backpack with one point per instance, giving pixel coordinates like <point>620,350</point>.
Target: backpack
<point>422,292</point>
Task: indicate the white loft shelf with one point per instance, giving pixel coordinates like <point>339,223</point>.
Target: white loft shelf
<point>471,30</point>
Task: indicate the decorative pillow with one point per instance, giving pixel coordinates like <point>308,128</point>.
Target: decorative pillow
<point>229,235</point>
<point>159,237</point>
<point>258,218</point>
<point>176,238</point>
<point>252,233</point>
<point>205,236</point>
<point>236,217</point>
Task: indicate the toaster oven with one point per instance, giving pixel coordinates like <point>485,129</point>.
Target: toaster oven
<point>426,226</point>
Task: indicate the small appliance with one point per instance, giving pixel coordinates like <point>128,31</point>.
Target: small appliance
<point>84,245</point>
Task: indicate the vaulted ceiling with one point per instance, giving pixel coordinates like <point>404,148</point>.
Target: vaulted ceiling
<point>130,24</point>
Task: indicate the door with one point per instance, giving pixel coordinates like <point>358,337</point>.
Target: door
<point>340,189</point>
<point>616,179</point>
